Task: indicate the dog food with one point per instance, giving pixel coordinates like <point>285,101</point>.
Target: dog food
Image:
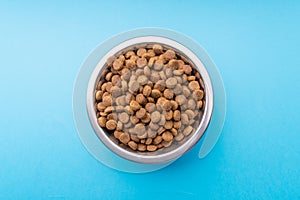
<point>149,98</point>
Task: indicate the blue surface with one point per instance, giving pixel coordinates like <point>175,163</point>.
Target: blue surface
<point>256,46</point>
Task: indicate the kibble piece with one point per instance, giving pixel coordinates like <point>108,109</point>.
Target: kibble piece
<point>177,124</point>
<point>141,147</point>
<point>112,116</point>
<point>180,99</point>
<point>107,100</point>
<point>176,115</point>
<point>115,79</point>
<point>169,94</point>
<point>194,85</point>
<point>98,95</point>
<point>146,119</point>
<point>133,86</point>
<point>173,63</point>
<point>147,71</point>
<point>179,137</point>
<point>134,105</point>
<point>191,104</point>
<point>188,130</point>
<point>168,124</point>
<point>151,148</point>
<point>132,145</point>
<point>152,61</point>
<point>167,105</point>
<point>134,119</point>
<point>142,80</point>
<point>158,49</point>
<point>167,136</point>
<point>174,105</point>
<point>187,69</point>
<point>155,117</point>
<point>157,140</point>
<point>158,65</point>
<point>111,125</point>
<point>150,107</point>
<point>102,121</point>
<point>124,138</point>
<point>140,52</point>
<point>174,131</point>
<point>140,113</point>
<point>148,141</point>
<point>200,104</point>
<point>191,78</point>
<point>134,138</point>
<point>171,82</point>
<point>117,64</point>
<point>150,99</point>
<point>154,77</point>
<point>153,126</point>
<point>160,85</point>
<point>117,134</point>
<point>190,114</point>
<point>155,93</point>
<point>199,94</point>
<point>169,54</point>
<point>101,106</point>
<point>143,141</point>
<point>169,115</point>
<point>147,90</point>
<point>162,120</point>
<point>167,143</point>
<point>184,118</point>
<point>123,117</point>
<point>141,62</point>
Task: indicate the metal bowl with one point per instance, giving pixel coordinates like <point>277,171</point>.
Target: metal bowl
<point>175,150</point>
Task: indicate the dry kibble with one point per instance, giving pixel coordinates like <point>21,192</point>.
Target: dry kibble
<point>132,145</point>
<point>147,91</point>
<point>158,49</point>
<point>149,97</point>
<point>155,117</point>
<point>167,136</point>
<point>102,121</point>
<point>111,125</point>
<point>140,113</point>
<point>124,138</point>
<point>134,105</point>
<point>176,115</point>
<point>187,130</point>
<point>194,85</point>
<point>151,148</point>
<point>123,117</point>
<point>171,82</point>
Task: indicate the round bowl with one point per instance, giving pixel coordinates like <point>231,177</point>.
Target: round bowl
<point>166,154</point>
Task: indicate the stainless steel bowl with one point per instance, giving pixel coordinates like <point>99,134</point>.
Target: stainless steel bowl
<point>175,150</point>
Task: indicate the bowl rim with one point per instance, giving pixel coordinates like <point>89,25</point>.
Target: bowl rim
<point>181,149</point>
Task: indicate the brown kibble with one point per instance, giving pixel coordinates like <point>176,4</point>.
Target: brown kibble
<point>155,117</point>
<point>148,141</point>
<point>143,141</point>
<point>157,140</point>
<point>190,114</point>
<point>123,117</point>
<point>174,105</point>
<point>147,71</point>
<point>141,147</point>
<point>111,116</point>
<point>107,101</point>
<point>167,105</point>
<point>101,106</point>
<point>117,134</point>
<point>169,54</point>
<point>141,51</point>
<point>132,145</point>
<point>133,86</point>
<point>154,77</point>
<point>178,72</point>
<point>178,89</point>
<point>124,138</point>
<point>186,91</point>
<point>146,119</point>
<point>140,113</point>
<point>160,85</point>
<point>179,137</point>
<point>129,54</point>
<point>169,94</point>
<point>134,119</point>
<point>194,85</point>
<point>200,104</point>
<point>168,124</point>
<point>150,107</point>
<point>111,125</point>
<point>187,69</point>
<point>102,122</point>
<point>176,115</point>
<point>199,94</point>
<point>158,49</point>
<point>147,90</point>
<point>177,124</point>
<point>167,143</point>
<point>180,99</point>
<point>155,93</point>
<point>191,78</point>
<point>158,65</point>
<point>173,64</point>
<point>188,130</point>
<point>191,104</point>
<point>109,109</point>
<point>184,119</point>
<point>174,131</point>
<point>150,99</point>
<point>117,64</point>
<point>153,126</point>
<point>134,138</point>
<point>142,80</point>
<point>151,148</point>
<point>141,99</point>
<point>171,82</point>
<point>151,133</point>
<point>167,136</point>
<point>115,79</point>
<point>98,95</point>
<point>134,105</point>
<point>152,61</point>
<point>141,62</point>
<point>169,115</point>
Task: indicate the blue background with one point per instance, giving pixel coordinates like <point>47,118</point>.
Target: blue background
<point>256,46</point>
